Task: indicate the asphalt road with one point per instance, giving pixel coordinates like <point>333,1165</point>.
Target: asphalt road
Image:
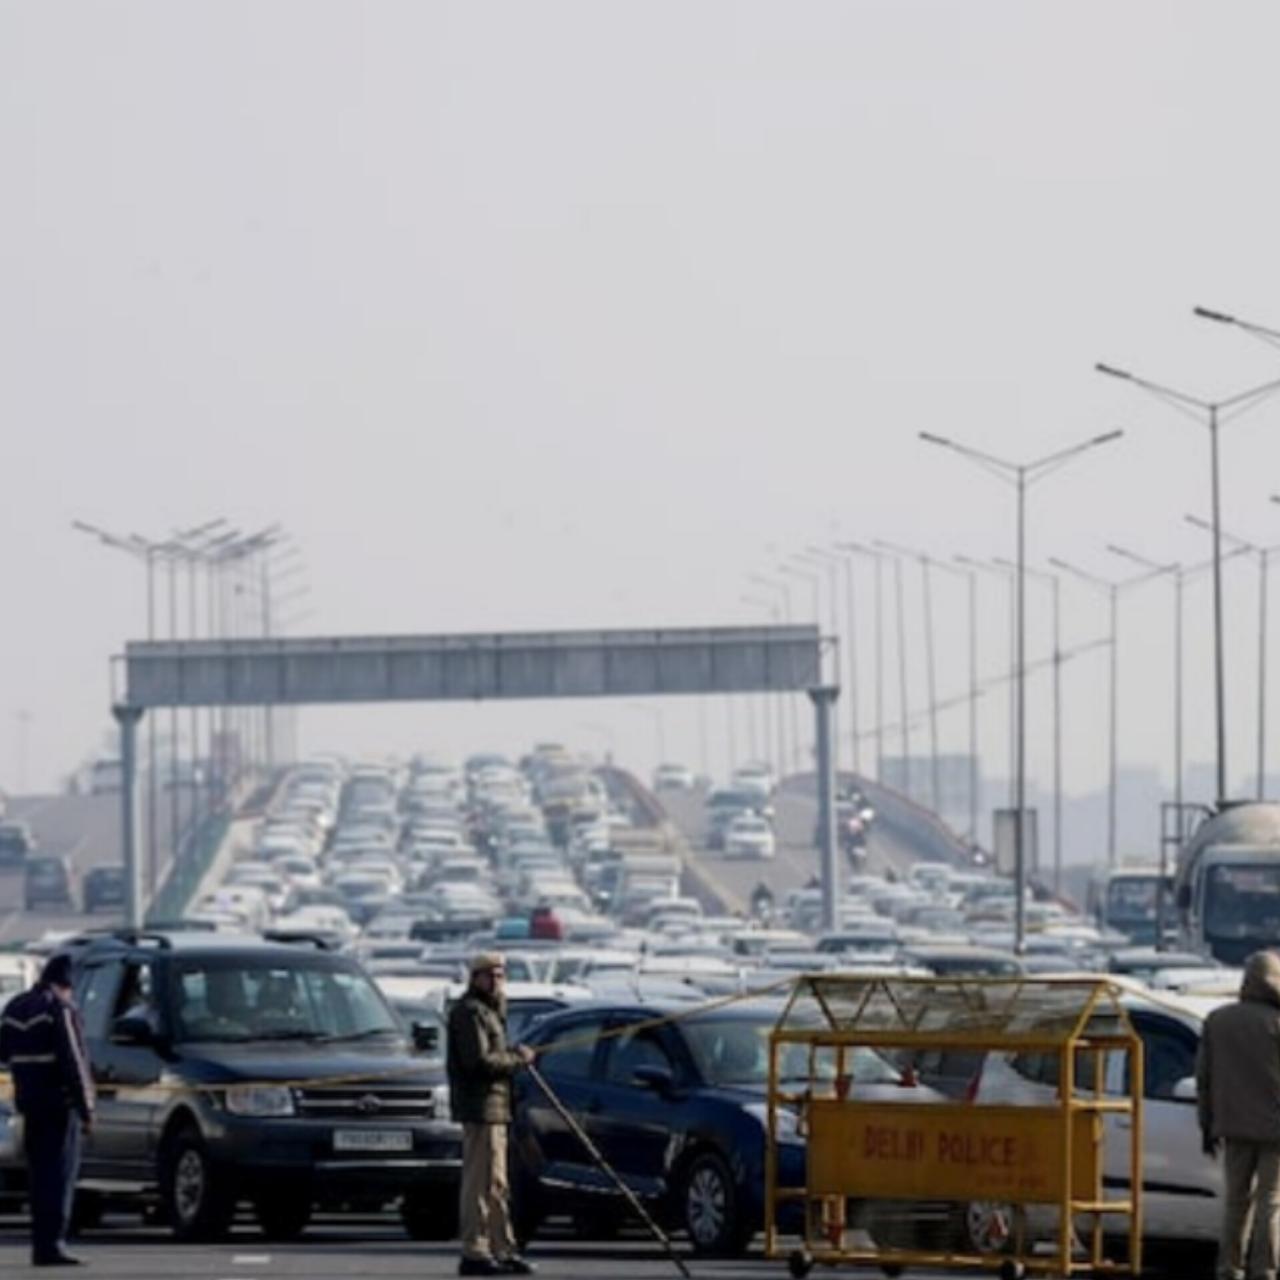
<point>338,1251</point>
<point>797,859</point>
<point>87,830</point>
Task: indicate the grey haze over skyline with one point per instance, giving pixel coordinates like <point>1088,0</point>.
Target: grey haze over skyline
<point>523,316</point>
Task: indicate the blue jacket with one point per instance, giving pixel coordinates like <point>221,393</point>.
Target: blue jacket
<point>42,1041</point>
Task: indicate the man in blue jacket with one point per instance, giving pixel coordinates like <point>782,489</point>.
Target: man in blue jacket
<point>42,1041</point>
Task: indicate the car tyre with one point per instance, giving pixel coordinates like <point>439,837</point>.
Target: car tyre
<point>197,1202</point>
<point>430,1215</point>
<point>709,1208</point>
<point>284,1218</point>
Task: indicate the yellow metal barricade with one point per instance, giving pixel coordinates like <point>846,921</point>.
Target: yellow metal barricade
<point>895,1172</point>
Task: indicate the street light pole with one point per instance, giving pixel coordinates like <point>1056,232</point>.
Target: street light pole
<point>1264,568</point>
<point>1007,571</point>
<point>1022,475</point>
<point>1111,589</point>
<point>1054,584</point>
<point>1211,413</point>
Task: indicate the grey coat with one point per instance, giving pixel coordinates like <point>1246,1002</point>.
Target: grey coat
<point>1238,1068</point>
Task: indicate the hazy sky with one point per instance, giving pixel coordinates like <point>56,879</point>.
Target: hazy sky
<point>561,314</point>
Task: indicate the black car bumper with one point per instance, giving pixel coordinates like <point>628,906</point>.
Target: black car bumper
<point>270,1153</point>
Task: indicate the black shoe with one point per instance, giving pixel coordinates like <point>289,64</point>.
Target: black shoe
<point>480,1267</point>
<point>58,1260</point>
<point>517,1266</point>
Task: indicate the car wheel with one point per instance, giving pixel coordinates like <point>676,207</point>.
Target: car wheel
<point>283,1218</point>
<point>710,1212</point>
<point>197,1202</point>
<point>430,1215</point>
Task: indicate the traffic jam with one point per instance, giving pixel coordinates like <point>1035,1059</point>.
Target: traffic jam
<point>277,1057</point>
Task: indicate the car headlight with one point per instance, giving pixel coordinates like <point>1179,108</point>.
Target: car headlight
<point>260,1100</point>
<point>786,1122</point>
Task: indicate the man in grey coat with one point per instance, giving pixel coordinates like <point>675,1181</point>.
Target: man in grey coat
<point>1238,1083</point>
<point>480,1070</point>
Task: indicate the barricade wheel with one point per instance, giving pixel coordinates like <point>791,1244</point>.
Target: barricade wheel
<point>985,1227</point>
<point>799,1264</point>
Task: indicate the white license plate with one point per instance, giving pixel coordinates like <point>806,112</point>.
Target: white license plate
<point>372,1140</point>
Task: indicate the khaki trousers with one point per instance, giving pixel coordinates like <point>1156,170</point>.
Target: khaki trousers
<point>1250,1211</point>
<point>485,1215</point>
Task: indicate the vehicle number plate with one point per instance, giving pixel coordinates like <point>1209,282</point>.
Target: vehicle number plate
<point>372,1140</point>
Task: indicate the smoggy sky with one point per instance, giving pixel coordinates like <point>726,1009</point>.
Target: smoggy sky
<point>543,314</point>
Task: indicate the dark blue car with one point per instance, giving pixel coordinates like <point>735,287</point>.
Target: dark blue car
<point>677,1109</point>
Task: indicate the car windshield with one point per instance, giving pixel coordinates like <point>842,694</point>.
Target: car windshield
<point>1132,899</point>
<point>1242,901</point>
<point>735,1051</point>
<point>250,1000</point>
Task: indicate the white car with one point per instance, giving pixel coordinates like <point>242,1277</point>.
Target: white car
<point>1182,1187</point>
<point>747,836</point>
<point>673,777</point>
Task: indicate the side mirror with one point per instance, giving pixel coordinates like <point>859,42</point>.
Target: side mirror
<point>426,1037</point>
<point>132,1029</point>
<point>660,1079</point>
<point>1184,897</point>
<point>1185,1090</point>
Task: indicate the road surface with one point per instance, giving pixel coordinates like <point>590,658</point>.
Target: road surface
<point>86,828</point>
<point>797,858</point>
<point>354,1251</point>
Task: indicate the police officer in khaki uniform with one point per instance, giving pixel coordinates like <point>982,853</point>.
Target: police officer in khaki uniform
<point>480,1070</point>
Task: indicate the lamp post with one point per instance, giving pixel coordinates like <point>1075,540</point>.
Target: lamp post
<point>931,672</point>
<point>1021,476</point>
<point>1264,555</point>
<point>1213,414</point>
<point>1111,589</point>
<point>1054,584</point>
<point>1179,573</point>
<point>1008,577</point>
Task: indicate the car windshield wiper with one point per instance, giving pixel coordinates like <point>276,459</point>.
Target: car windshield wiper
<point>291,1033</point>
<point>362,1035</point>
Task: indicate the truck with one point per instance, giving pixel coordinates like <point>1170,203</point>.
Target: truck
<point>643,880</point>
<point>1227,884</point>
<point>1126,900</point>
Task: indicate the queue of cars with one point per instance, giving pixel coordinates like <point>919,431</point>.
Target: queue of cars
<point>281,1050</point>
